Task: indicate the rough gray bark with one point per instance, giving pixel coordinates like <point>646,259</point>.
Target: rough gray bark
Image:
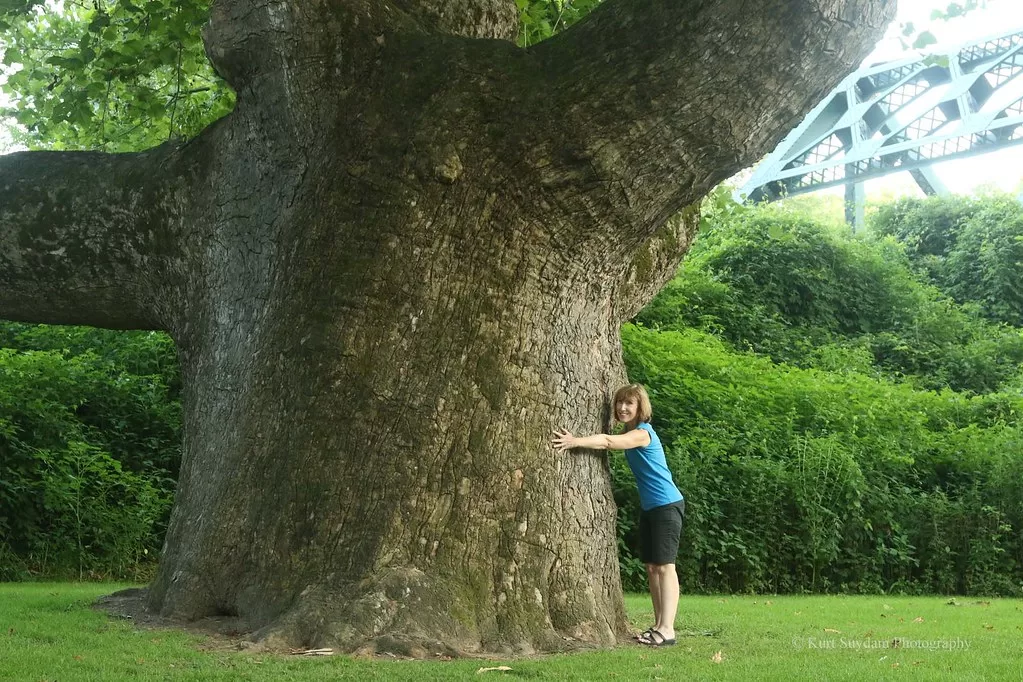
<point>401,262</point>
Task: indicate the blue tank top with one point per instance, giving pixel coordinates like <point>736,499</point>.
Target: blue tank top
<point>656,487</point>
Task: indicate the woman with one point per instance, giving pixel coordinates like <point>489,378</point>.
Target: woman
<point>660,522</point>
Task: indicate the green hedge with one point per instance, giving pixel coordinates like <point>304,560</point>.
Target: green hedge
<point>804,480</point>
<point>972,249</point>
<point>89,448</point>
<point>787,287</point>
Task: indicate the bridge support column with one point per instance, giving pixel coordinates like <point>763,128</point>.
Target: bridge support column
<point>855,203</point>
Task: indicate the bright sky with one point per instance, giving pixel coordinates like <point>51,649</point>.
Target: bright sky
<point>994,16</point>
<point>1003,170</point>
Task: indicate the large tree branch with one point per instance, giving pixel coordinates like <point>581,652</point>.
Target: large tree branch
<point>469,18</point>
<point>298,58</point>
<point>662,99</point>
<point>248,39</point>
<point>89,238</point>
<point>656,262</point>
<point>253,42</point>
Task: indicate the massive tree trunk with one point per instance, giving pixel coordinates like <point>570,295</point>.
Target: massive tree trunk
<point>391,272</point>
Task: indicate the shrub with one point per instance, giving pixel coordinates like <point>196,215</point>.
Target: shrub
<point>804,480</point>
<point>88,452</point>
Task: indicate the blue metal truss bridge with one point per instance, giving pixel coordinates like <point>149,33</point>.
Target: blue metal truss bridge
<point>900,116</point>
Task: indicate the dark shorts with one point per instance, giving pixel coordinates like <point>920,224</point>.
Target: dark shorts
<point>659,530</point>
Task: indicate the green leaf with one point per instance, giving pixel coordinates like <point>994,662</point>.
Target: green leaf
<point>133,47</point>
<point>99,22</point>
<point>168,54</point>
<point>924,39</point>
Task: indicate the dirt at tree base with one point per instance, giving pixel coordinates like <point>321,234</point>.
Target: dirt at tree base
<point>232,633</point>
<point>131,605</point>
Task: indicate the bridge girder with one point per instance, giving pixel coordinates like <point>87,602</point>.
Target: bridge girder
<point>901,116</point>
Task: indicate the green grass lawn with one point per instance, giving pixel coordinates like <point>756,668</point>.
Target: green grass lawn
<point>48,632</point>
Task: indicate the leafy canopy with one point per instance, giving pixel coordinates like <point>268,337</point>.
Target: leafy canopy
<point>109,74</point>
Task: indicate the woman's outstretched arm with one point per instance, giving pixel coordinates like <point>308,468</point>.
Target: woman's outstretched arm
<point>564,440</point>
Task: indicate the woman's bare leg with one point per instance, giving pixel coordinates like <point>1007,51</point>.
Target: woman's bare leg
<point>654,579</point>
<point>666,601</point>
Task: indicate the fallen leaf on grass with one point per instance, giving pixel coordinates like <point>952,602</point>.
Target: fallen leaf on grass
<point>77,658</point>
<point>312,652</point>
<point>988,626</point>
<point>718,657</point>
<point>502,668</point>
<point>837,632</point>
<point>918,619</point>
